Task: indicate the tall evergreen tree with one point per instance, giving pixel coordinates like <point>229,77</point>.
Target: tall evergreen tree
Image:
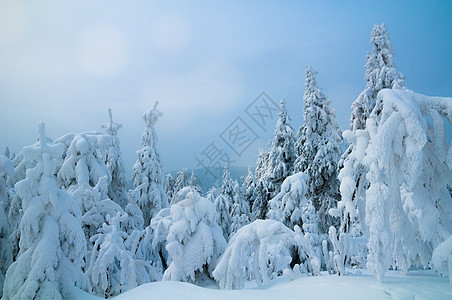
<point>318,149</point>
<point>281,155</point>
<point>147,173</point>
<point>117,189</point>
<point>381,73</point>
<point>181,181</point>
<point>169,186</point>
<point>223,203</point>
<point>52,243</point>
<point>194,182</point>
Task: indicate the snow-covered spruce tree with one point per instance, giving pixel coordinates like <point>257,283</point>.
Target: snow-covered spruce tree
<point>117,189</point>
<point>52,243</point>
<point>248,187</point>
<point>6,255</point>
<point>240,210</point>
<point>318,150</point>
<point>263,250</point>
<point>147,173</point>
<point>260,203</point>
<point>408,205</point>
<point>223,203</point>
<point>286,206</point>
<point>194,182</point>
<point>112,269</point>
<point>281,155</point>
<point>83,169</point>
<point>195,241</point>
<point>181,181</point>
<point>380,73</point>
<point>169,186</point>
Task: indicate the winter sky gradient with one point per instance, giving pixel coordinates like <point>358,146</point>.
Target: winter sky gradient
<point>66,63</point>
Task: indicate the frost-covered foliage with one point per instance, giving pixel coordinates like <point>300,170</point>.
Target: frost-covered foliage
<point>223,203</point>
<point>240,210</point>
<point>6,254</point>
<point>286,206</point>
<point>117,188</point>
<point>52,243</point>
<point>442,258</point>
<point>260,203</point>
<point>169,186</point>
<point>113,269</point>
<point>381,73</point>
<point>318,150</point>
<point>263,250</point>
<point>147,173</point>
<point>194,182</point>
<point>181,181</point>
<point>83,168</point>
<point>248,187</point>
<point>281,155</point>
<point>408,205</point>
<point>194,240</point>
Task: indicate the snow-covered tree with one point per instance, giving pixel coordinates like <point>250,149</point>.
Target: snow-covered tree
<point>381,73</point>
<point>240,210</point>
<point>52,243</point>
<point>147,173</point>
<point>286,206</point>
<point>83,168</point>
<point>194,241</point>
<point>408,205</point>
<point>281,155</point>
<point>194,182</point>
<point>248,187</point>
<point>169,186</point>
<point>263,250</point>
<point>318,150</point>
<point>6,255</point>
<point>260,203</point>
<point>223,203</point>
<point>117,188</point>
<point>181,181</point>
<point>113,269</point>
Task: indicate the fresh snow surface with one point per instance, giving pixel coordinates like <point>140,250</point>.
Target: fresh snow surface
<point>361,284</point>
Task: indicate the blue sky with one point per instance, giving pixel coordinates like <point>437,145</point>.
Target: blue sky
<point>66,62</point>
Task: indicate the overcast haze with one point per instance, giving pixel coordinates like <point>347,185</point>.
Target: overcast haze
<point>66,62</point>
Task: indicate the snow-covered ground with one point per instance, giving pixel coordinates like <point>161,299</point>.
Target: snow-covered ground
<point>359,285</point>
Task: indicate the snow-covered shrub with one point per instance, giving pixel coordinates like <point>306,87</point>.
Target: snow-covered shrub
<point>52,243</point>
<point>147,173</point>
<point>263,250</point>
<point>442,258</point>
<point>113,269</point>
<point>194,240</point>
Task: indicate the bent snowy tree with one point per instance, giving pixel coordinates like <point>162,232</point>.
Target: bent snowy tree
<point>408,205</point>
